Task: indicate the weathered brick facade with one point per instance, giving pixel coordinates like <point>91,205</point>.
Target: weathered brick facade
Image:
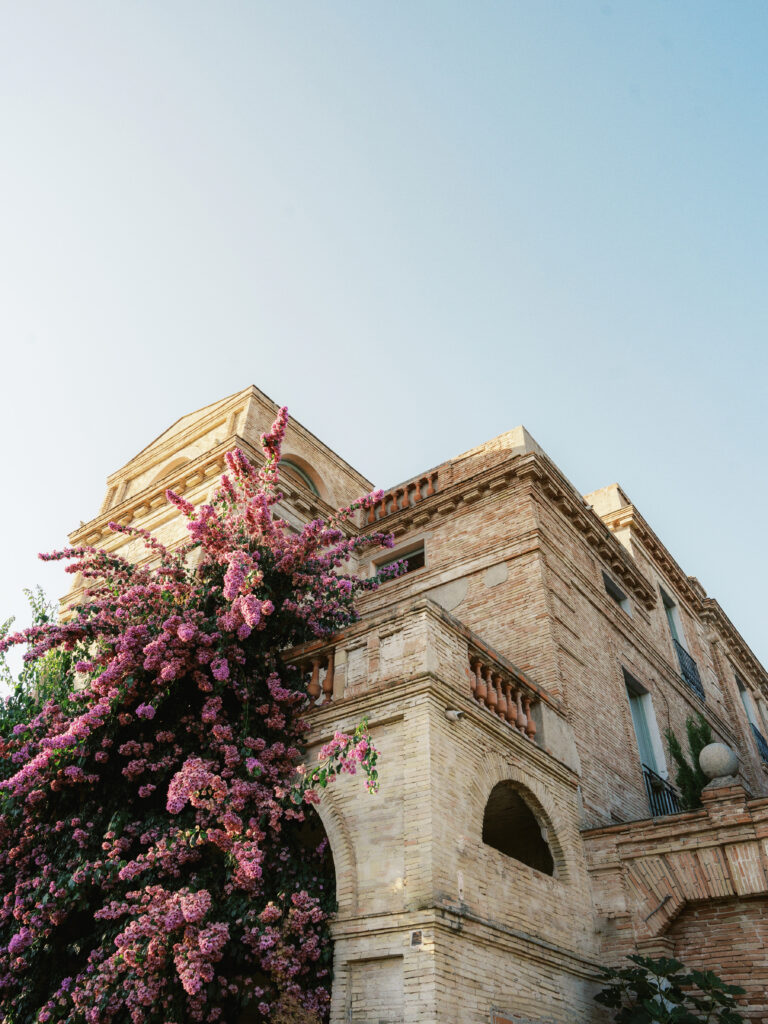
<point>568,639</point>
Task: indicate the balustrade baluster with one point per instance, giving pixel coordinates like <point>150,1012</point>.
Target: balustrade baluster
<point>328,681</point>
<point>530,729</point>
<point>501,708</point>
<point>430,480</point>
<point>492,699</point>
<point>520,719</point>
<point>314,685</point>
<point>509,709</point>
<point>474,667</point>
<point>481,692</point>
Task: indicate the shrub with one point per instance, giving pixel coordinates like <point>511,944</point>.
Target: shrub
<point>152,822</point>
<point>39,680</point>
<point>663,991</point>
<point>689,778</point>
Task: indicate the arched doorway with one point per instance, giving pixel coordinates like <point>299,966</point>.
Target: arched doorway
<point>312,869</point>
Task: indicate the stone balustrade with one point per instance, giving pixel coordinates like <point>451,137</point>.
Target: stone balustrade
<point>405,496</point>
<point>418,644</point>
<point>502,694</point>
<point>318,673</point>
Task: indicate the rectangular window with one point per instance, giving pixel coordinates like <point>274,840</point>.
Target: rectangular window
<point>746,700</point>
<point>414,559</point>
<point>752,717</point>
<point>662,797</point>
<point>614,590</point>
<point>673,617</point>
<point>643,720</point>
<point>689,670</point>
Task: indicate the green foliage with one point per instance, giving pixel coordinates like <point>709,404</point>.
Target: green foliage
<point>664,991</point>
<point>38,681</point>
<point>690,779</point>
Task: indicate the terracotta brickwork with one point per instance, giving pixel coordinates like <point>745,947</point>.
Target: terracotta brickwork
<point>693,885</point>
<point>535,616</point>
<point>735,946</point>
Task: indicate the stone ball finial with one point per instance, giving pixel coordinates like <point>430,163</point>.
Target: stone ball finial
<point>718,760</point>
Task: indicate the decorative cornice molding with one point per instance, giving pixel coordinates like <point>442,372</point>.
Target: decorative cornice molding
<point>204,467</point>
<point>547,479</point>
<point>540,473</point>
<point>688,587</point>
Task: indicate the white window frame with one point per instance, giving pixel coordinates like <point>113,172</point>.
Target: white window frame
<point>644,699</point>
<point>748,703</point>
<point>672,613</point>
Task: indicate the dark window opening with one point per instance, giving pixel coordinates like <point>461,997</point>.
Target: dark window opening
<point>510,826</point>
<point>614,590</point>
<point>415,559</point>
<point>670,610</point>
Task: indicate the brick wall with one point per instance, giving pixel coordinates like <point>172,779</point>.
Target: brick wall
<point>729,937</point>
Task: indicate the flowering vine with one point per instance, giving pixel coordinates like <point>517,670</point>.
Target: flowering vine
<point>158,858</point>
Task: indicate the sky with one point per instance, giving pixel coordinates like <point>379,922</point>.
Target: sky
<point>417,224</point>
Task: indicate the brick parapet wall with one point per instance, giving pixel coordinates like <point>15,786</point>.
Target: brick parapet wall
<point>646,873</point>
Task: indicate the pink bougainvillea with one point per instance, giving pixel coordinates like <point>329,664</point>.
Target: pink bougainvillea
<point>157,862</point>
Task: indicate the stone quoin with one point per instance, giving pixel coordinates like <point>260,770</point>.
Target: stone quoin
<point>533,834</point>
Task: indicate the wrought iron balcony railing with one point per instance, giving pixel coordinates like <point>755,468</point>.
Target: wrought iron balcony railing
<point>689,670</point>
<point>662,797</point>
<point>762,743</point>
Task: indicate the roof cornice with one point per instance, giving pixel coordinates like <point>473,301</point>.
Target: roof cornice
<point>541,473</point>
<point>186,479</point>
<point>688,587</point>
<point>560,492</point>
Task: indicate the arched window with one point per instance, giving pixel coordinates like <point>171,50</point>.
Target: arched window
<point>292,468</point>
<point>511,827</point>
<point>171,467</point>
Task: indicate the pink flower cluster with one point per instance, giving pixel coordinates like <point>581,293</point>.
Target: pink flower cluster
<point>152,864</point>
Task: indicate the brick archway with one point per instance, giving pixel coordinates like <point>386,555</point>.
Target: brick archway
<point>494,769</point>
<point>343,851</point>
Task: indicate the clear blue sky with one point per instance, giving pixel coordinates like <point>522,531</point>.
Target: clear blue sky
<point>416,223</point>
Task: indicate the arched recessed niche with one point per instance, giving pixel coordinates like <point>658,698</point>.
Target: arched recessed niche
<point>512,828</point>
<point>169,468</point>
<point>292,466</point>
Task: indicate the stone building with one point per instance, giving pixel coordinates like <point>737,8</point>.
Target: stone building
<point>518,680</point>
